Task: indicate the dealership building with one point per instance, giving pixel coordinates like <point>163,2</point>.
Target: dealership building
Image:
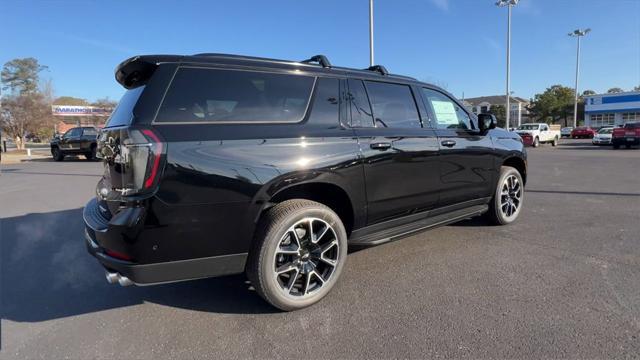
<point>612,109</point>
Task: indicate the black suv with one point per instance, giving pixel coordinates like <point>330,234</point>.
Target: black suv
<point>76,141</point>
<point>221,164</point>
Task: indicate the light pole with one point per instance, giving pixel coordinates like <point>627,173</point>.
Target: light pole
<point>370,32</point>
<point>578,34</point>
<point>509,4</point>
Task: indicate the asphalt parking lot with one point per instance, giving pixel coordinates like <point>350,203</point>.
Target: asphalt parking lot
<point>563,282</point>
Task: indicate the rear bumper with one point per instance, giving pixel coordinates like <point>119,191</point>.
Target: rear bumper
<point>100,234</point>
<point>627,140</point>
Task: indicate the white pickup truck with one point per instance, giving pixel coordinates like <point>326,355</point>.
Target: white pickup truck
<point>537,133</point>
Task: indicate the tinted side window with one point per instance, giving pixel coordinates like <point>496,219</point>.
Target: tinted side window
<point>123,113</point>
<point>360,108</point>
<point>89,132</point>
<point>75,132</point>
<point>393,105</point>
<point>210,95</point>
<point>447,113</point>
<point>326,103</point>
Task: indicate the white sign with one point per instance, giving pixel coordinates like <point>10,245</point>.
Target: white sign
<point>72,110</point>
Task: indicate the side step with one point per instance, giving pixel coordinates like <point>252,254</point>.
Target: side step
<point>367,238</point>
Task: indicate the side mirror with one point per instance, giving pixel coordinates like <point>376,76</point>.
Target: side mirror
<point>487,122</point>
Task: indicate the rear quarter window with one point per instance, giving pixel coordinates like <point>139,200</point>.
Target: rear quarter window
<point>123,113</point>
<point>213,95</point>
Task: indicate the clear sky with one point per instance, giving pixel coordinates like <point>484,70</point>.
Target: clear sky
<point>457,44</point>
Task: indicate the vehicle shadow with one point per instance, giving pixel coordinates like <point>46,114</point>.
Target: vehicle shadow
<point>47,274</point>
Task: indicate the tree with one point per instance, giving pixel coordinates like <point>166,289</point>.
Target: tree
<point>22,114</point>
<point>637,88</point>
<point>26,108</point>
<point>70,100</point>
<point>500,112</point>
<point>588,93</point>
<point>21,75</point>
<point>614,90</point>
<point>105,103</point>
<point>553,104</point>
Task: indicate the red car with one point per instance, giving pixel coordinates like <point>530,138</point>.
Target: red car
<point>627,135</point>
<point>583,132</point>
<point>527,139</point>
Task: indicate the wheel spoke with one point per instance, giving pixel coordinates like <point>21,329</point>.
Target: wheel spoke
<point>323,233</point>
<point>292,281</point>
<point>307,283</point>
<point>328,246</point>
<point>312,235</point>
<point>286,268</point>
<point>328,261</point>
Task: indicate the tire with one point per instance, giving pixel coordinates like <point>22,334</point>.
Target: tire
<point>91,155</point>
<point>628,146</point>
<point>555,141</point>
<point>536,142</point>
<point>616,146</point>
<point>282,241</point>
<point>501,210</point>
<point>57,154</point>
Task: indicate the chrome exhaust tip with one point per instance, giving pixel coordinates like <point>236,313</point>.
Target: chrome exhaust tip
<point>124,281</point>
<point>113,278</point>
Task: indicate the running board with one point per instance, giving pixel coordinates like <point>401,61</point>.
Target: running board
<point>362,237</point>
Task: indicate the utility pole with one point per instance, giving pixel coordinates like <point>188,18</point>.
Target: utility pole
<point>578,34</point>
<point>509,4</point>
<point>371,33</point>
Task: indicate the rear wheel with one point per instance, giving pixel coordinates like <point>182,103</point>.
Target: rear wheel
<point>57,154</point>
<point>91,155</point>
<point>536,142</point>
<point>555,141</point>
<point>298,254</point>
<point>508,198</point>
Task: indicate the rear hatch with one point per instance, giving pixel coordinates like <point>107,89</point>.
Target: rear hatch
<point>132,158</point>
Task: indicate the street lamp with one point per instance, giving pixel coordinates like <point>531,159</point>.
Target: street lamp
<point>370,32</point>
<point>577,34</point>
<point>509,4</point>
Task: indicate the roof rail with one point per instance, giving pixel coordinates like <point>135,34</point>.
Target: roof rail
<point>379,68</point>
<point>320,59</point>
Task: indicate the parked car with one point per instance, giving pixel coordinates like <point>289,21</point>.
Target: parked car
<point>583,132</point>
<point>603,136</point>
<point>627,135</point>
<point>220,164</point>
<point>76,141</point>
<point>566,131</point>
<point>538,133</point>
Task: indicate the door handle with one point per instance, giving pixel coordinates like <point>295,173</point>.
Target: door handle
<point>380,146</point>
<point>448,143</point>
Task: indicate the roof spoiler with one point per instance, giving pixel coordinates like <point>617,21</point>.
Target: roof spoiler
<point>137,70</point>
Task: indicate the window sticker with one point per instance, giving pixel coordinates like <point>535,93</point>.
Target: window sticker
<point>445,112</point>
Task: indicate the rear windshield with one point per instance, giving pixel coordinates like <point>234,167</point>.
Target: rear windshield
<point>123,113</point>
<point>605,131</point>
<point>528,127</point>
<point>211,95</point>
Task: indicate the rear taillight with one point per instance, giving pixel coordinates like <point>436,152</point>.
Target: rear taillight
<point>137,162</point>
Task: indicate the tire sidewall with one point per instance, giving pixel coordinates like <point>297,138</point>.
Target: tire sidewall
<point>501,218</point>
<point>267,253</point>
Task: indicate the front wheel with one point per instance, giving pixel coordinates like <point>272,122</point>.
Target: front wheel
<point>57,154</point>
<point>508,198</point>
<point>298,254</point>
